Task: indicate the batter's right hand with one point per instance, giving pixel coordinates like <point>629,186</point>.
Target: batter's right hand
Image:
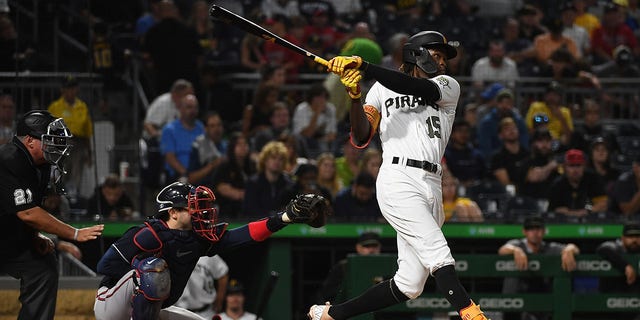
<point>338,64</point>
<point>90,233</point>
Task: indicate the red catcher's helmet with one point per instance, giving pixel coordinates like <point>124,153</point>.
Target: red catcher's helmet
<point>203,213</point>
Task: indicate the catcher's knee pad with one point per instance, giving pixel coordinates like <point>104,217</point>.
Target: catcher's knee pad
<point>154,280</point>
<point>154,284</point>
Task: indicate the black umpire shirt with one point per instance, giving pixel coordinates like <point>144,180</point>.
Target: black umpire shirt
<point>22,186</point>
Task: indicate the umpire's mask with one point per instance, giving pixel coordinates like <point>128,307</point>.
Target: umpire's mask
<point>56,143</point>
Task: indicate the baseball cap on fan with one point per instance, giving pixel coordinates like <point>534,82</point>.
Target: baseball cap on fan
<point>534,222</point>
<point>369,239</point>
<point>235,287</point>
<point>574,157</point>
<point>631,229</point>
<point>69,82</point>
<point>491,91</point>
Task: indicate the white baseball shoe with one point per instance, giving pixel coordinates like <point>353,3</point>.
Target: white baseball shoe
<point>319,312</point>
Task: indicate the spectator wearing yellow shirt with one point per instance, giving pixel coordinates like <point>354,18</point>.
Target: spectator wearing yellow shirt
<point>457,208</point>
<point>583,18</point>
<point>560,122</point>
<point>76,115</point>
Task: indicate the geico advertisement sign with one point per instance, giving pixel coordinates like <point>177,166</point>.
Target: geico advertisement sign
<point>593,265</point>
<point>441,303</point>
<point>502,303</point>
<point>534,265</point>
<point>428,303</point>
<point>623,303</point>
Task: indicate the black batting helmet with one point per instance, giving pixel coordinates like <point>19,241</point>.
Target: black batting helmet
<point>415,50</point>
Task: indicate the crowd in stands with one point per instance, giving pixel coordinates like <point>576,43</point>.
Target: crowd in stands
<point>509,155</point>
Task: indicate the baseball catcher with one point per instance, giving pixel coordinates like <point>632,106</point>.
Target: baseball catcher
<point>146,270</point>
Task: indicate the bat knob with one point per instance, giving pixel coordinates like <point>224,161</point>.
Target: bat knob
<point>215,10</point>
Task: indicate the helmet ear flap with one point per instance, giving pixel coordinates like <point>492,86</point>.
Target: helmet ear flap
<point>414,54</point>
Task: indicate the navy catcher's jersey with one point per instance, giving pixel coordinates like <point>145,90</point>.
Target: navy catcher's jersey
<point>23,187</point>
<point>181,249</point>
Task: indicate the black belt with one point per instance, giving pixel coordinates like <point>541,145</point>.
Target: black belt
<point>424,165</point>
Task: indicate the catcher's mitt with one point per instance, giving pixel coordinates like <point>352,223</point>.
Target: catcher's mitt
<point>311,209</point>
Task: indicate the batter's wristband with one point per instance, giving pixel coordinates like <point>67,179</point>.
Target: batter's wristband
<point>75,235</point>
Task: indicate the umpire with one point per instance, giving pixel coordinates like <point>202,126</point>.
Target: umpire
<point>41,144</point>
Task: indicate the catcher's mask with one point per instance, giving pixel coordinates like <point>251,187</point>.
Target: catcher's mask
<point>203,213</point>
<point>198,201</point>
<point>415,51</point>
<point>52,132</point>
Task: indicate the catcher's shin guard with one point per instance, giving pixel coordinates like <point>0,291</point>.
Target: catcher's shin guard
<point>472,312</point>
<point>153,286</point>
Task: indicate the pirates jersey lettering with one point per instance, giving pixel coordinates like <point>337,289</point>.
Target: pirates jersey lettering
<point>406,104</point>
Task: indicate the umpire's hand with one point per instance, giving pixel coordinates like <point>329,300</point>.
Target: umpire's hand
<point>89,233</point>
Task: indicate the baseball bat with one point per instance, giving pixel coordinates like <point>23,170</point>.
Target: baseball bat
<point>249,26</point>
<point>266,293</point>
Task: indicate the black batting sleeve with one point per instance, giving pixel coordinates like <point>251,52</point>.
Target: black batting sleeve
<point>402,83</point>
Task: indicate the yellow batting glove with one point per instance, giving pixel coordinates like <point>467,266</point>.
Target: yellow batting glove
<point>351,77</point>
<point>354,92</point>
<point>338,64</point>
<point>351,80</point>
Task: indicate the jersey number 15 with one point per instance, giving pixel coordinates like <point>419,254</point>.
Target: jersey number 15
<point>433,127</point>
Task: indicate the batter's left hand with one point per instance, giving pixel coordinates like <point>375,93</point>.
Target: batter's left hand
<point>338,64</point>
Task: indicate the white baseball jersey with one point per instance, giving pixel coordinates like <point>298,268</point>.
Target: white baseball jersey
<point>245,316</point>
<point>410,198</point>
<point>200,290</point>
<point>411,128</point>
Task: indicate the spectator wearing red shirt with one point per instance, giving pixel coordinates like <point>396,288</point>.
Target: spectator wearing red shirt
<point>612,33</point>
<point>277,54</point>
<point>320,25</point>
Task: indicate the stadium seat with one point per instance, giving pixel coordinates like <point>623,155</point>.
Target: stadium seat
<point>519,208</point>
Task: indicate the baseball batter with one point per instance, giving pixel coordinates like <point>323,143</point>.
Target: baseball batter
<point>413,111</point>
